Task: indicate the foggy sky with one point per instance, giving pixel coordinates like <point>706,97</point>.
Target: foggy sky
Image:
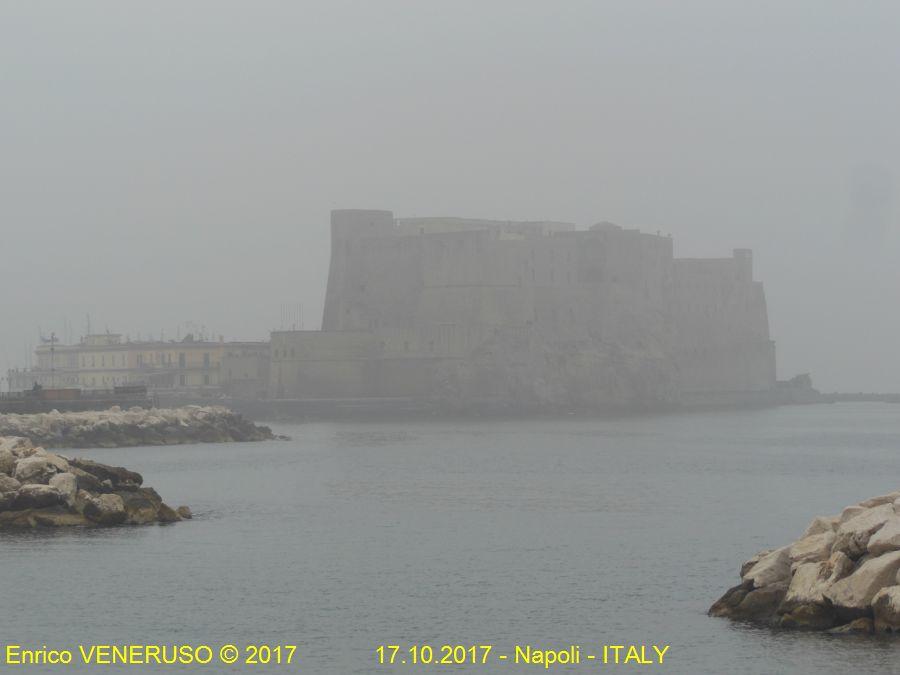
<point>170,162</point>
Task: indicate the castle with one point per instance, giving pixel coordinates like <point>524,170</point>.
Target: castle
<point>526,315</point>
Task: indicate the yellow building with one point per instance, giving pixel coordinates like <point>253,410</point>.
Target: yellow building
<point>105,361</point>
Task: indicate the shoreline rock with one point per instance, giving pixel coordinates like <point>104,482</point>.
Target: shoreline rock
<point>43,489</point>
<point>841,576</point>
<point>127,428</point>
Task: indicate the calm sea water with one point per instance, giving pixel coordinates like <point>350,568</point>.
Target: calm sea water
<point>554,532</point>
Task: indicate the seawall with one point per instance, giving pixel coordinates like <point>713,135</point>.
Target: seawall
<point>136,426</point>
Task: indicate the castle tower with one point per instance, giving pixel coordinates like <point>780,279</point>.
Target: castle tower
<point>346,226</point>
<point>744,259</point>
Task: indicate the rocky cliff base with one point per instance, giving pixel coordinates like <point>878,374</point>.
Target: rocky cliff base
<point>526,373</point>
<point>43,489</point>
<point>842,575</point>
<point>135,426</point>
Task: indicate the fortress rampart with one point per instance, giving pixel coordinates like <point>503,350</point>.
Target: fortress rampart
<point>531,313</point>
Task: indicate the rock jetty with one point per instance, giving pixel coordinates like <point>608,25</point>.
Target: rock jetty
<point>842,575</point>
<point>43,489</point>
<point>136,426</point>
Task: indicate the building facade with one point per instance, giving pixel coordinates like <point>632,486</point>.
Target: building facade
<point>105,361</point>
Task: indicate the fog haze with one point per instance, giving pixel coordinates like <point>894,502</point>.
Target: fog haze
<point>177,162</point>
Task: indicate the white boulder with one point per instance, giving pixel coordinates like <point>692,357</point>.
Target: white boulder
<point>772,568</point>
<point>8,483</point>
<point>857,590</point>
<point>748,565</point>
<point>7,462</point>
<point>67,485</point>
<point>105,509</point>
<point>878,501</point>
<point>14,444</point>
<point>812,579</point>
<point>61,464</point>
<point>850,512</point>
<point>852,536</point>
<point>887,538</point>
<point>35,469</point>
<point>821,524</point>
<point>37,496</point>
<point>813,548</point>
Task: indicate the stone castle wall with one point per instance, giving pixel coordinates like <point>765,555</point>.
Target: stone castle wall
<point>503,309</point>
<point>721,328</point>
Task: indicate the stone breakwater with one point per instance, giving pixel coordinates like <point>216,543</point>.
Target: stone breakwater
<point>43,489</point>
<point>135,426</point>
<point>842,575</point>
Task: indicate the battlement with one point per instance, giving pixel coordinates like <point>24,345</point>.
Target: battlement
<point>442,224</point>
<point>744,259</point>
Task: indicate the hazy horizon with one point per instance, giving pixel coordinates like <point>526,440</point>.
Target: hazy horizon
<point>170,163</point>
